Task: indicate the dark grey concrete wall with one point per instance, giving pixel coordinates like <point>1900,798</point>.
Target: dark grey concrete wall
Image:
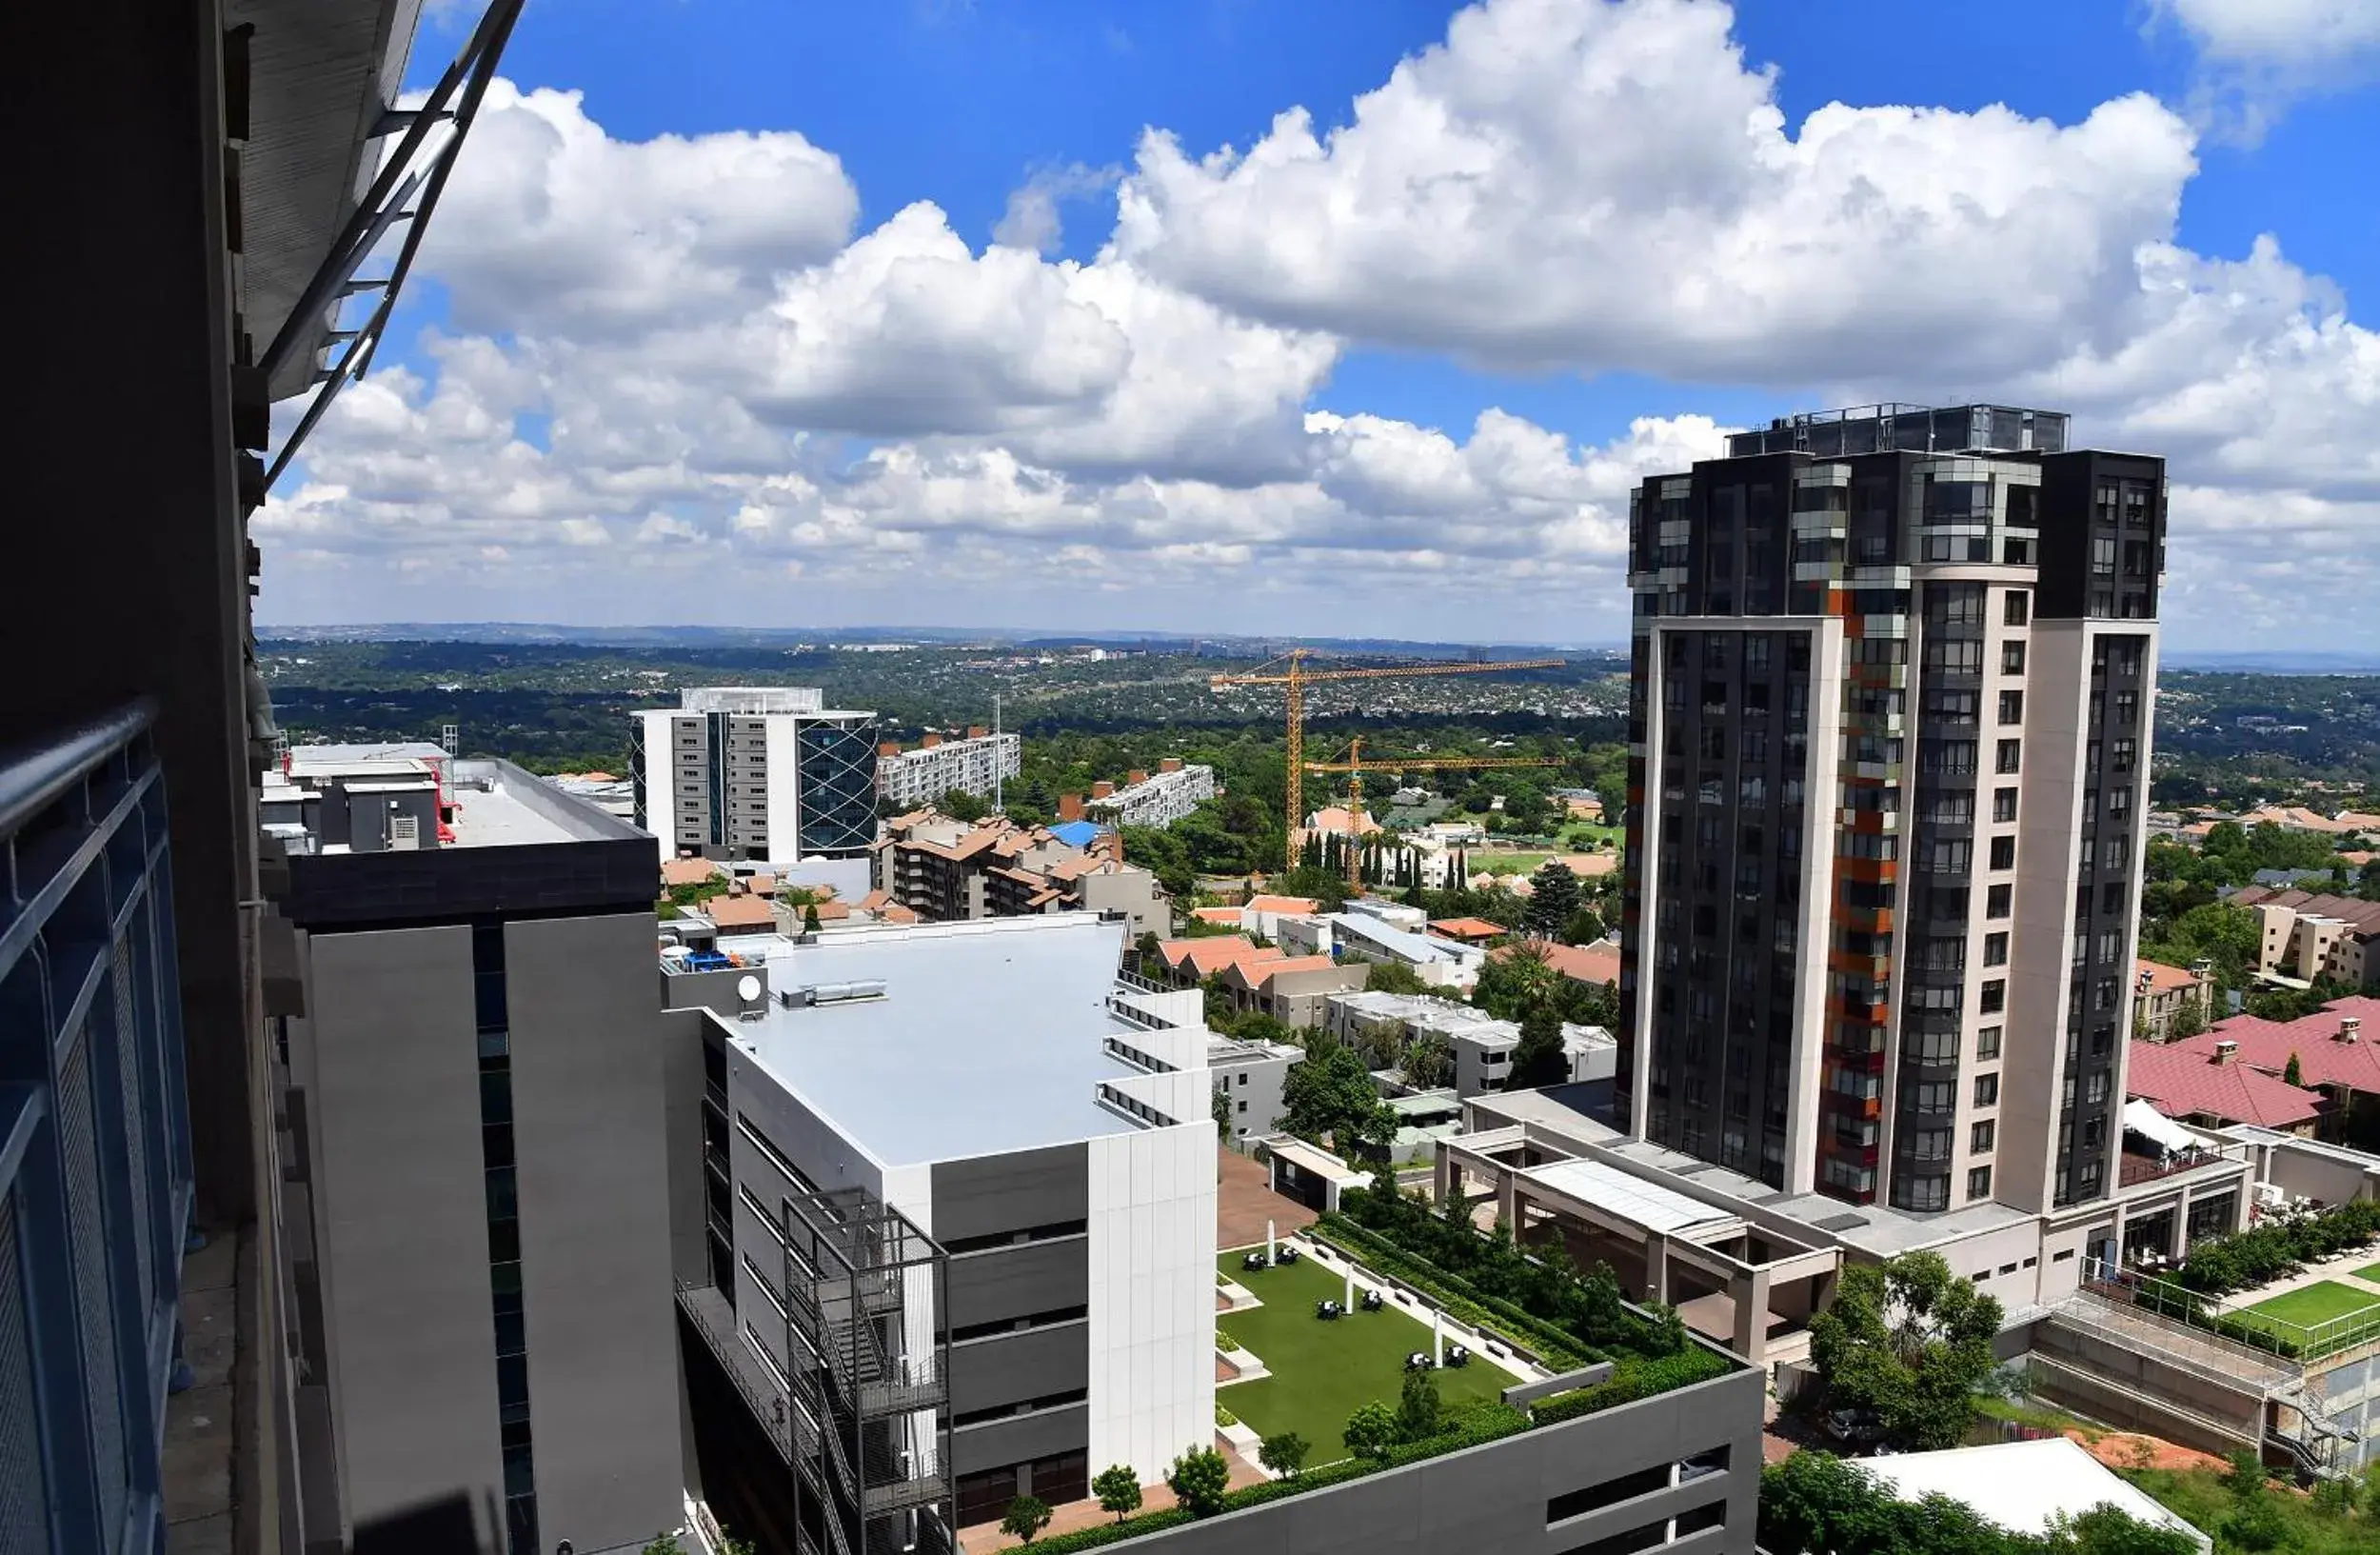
<point>1491,1500</point>
<point>985,1373</point>
<point>450,884</point>
<point>681,1090</point>
<point>401,1207</point>
<point>991,1194</point>
<point>593,1172</point>
<point>1016,1282</point>
<point>1042,1435</point>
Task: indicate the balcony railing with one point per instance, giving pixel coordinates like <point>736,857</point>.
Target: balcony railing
<point>96,1179</point>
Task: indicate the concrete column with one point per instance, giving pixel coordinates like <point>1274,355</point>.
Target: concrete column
<point>1656,1266</point>
<point>1438,1336</point>
<point>1508,1200</point>
<point>1444,1175</point>
<point>1752,1316</point>
<point>2178,1242</point>
<point>1271,1252</point>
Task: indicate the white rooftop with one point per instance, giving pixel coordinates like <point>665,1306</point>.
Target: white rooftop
<point>987,1038</point>
<point>1635,1199</point>
<point>2024,1486</point>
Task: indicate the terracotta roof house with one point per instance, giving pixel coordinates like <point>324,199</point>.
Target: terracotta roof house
<point>1292,990</point>
<point>742,915</point>
<point>1469,931</point>
<point>2337,1050</point>
<point>688,872</point>
<point>2162,992</point>
<point>2213,1088</point>
<point>2304,935</point>
<point>1598,963</point>
<point>1335,819</point>
<point>1194,960</point>
<point>1228,917</point>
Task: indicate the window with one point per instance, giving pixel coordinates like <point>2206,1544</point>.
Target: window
<point>2012,706</point>
<point>2003,852</point>
<point>1978,1183</point>
<point>1953,657</point>
<point>1987,1090</point>
<point>2006,758</point>
<point>2018,608</point>
<point>1994,997</point>
<point>1996,950</point>
<point>1988,1043</point>
<point>1923,1096</point>
<point>2013,657</point>
<point>1930,1145</point>
<point>2004,805</point>
<point>1594,1498</point>
<point>1921,1193</point>
<point>1997,901</point>
<point>1979,1137</point>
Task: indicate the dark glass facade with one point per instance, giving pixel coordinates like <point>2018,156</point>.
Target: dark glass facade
<point>838,786</point>
<point>1836,677</point>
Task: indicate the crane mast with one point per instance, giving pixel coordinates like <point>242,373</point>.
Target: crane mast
<point>1294,677</point>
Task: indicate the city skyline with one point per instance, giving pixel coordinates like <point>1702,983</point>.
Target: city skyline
<point>773,349</point>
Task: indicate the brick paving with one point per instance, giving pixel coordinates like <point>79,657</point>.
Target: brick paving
<point>1243,1204</point>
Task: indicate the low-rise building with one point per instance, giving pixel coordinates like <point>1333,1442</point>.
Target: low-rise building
<point>2215,1089</point>
<point>2301,936</point>
<point>2331,1051</point>
<point>2162,994</point>
<point>946,871</point>
<point>977,764</point>
<point>1289,988</point>
<point>1153,799</point>
<point>1365,936</point>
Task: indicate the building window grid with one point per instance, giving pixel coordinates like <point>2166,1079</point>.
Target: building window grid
<point>497,1147</point>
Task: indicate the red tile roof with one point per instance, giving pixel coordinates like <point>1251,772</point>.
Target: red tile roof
<point>2162,979</point>
<point>1294,906</point>
<point>2322,1058</point>
<point>1598,963</point>
<point>741,912</point>
<point>1467,929</point>
<point>1205,957</point>
<point>1216,915</point>
<point>688,872</point>
<point>2181,1082</point>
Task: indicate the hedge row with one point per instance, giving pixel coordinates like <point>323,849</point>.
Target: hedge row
<point>1632,1377</point>
<point>1558,1349</point>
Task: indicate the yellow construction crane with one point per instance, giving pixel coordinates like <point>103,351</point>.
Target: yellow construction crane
<point>1355,766</point>
<point>1296,678</point>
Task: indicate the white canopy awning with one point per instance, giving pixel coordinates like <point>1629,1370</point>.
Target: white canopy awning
<point>2140,1118</point>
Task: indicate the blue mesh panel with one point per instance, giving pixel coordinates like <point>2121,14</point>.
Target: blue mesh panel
<point>24,1502</point>
<point>86,1222</point>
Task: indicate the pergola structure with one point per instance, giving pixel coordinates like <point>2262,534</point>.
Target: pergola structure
<point>1739,1283</point>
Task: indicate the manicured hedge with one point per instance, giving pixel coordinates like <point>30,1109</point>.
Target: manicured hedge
<point>1632,1377</point>
<point>1560,1350</point>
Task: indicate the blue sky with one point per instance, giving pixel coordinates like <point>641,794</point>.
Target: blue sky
<point>687,348</point>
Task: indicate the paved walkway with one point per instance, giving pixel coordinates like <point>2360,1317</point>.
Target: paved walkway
<point>1243,1202</point>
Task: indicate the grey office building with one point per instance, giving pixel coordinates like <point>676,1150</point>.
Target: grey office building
<point>1892,671</point>
<point>476,1173</point>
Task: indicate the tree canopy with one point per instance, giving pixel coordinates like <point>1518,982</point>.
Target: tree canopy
<point>1553,901</point>
<point>1813,1503</point>
<point>1331,1096</point>
<point>1537,1058</point>
<point>1909,1340</point>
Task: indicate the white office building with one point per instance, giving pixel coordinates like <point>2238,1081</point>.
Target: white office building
<point>767,773</point>
<point>985,1085</point>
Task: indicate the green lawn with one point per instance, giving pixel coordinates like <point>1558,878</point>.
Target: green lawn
<point>1505,864</point>
<point>2370,1271</point>
<point>1321,1371</point>
<point>2308,1307</point>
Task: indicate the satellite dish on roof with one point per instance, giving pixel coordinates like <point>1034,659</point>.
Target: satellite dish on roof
<point>748,987</point>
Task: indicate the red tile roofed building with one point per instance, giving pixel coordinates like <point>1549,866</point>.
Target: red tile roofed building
<point>2161,993</point>
<point>1264,910</point>
<point>1226,917</point>
<point>742,915</point>
<point>2215,1089</point>
<point>688,872</point>
<point>2337,1050</point>
<point>1468,930</point>
<point>1289,988</point>
<point>1191,962</point>
<point>1598,963</point>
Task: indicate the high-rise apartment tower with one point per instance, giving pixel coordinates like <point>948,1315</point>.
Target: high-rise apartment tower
<point>1889,741</point>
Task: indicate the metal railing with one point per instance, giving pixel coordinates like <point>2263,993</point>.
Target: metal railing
<point>96,1179</point>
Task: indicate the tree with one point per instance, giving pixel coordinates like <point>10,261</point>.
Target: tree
<point>1393,977</point>
<point>1199,1480</point>
<point>1028,1516</point>
<point>1554,896</point>
<point>1284,1454</point>
<point>1586,926</point>
<point>1538,1058</point>
<point>1516,979</point>
<point>961,805</point>
<point>1331,1095</point>
<point>2187,1020</point>
<point>1419,1407</point>
<point>1118,1489</point>
<point>809,918</point>
<point>663,1543</point>
<point>1813,1503</point>
<point>1222,1114</point>
<point>1370,1430</point>
<point>2293,1072</point>
<point>1429,1061</point>
<point>1909,1340</point>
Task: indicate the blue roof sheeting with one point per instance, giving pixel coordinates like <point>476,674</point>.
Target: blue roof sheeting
<point>1076,834</point>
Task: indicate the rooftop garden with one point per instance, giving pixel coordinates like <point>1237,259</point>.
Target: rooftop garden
<point>1339,1398</point>
<point>2306,1324</point>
